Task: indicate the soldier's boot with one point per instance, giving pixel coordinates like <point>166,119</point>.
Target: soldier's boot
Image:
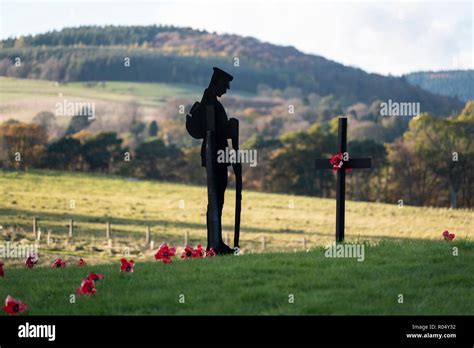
<point>224,249</point>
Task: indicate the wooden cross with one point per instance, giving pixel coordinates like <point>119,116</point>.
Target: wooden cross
<point>354,163</point>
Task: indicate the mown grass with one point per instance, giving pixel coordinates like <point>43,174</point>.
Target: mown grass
<point>430,278</point>
<point>404,254</point>
<point>12,89</point>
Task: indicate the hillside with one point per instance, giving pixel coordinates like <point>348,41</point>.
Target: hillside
<point>455,83</point>
<point>183,55</point>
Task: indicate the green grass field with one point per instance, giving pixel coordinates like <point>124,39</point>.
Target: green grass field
<point>404,253</point>
<point>172,210</point>
<point>12,89</point>
<point>430,278</point>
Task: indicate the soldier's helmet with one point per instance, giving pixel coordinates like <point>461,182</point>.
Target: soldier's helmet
<point>220,74</point>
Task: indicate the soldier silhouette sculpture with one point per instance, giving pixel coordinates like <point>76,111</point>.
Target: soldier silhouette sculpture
<point>208,121</point>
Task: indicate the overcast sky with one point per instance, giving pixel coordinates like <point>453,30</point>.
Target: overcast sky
<point>385,37</point>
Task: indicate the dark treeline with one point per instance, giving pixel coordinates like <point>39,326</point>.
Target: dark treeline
<point>453,83</point>
<point>96,36</point>
<point>25,146</point>
<point>107,64</point>
<point>182,55</point>
<point>431,165</point>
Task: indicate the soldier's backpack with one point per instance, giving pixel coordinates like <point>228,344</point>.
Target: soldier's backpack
<point>195,121</point>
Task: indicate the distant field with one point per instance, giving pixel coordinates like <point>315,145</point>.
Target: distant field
<point>153,93</point>
<point>22,99</point>
<point>171,210</point>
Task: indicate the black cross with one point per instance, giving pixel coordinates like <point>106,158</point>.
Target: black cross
<point>323,163</point>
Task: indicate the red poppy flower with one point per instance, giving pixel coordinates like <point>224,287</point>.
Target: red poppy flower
<point>58,263</point>
<point>165,253</point>
<point>94,276</point>
<point>210,252</point>
<point>87,287</point>
<point>187,252</point>
<point>448,236</point>
<point>198,252</point>
<point>2,272</point>
<point>32,260</point>
<point>337,161</point>
<point>127,266</point>
<point>13,306</point>
<point>81,262</point>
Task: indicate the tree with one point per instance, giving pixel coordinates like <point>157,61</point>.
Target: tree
<point>63,154</point>
<point>22,145</point>
<point>153,129</point>
<point>47,120</point>
<point>367,185</point>
<point>102,151</point>
<point>291,168</point>
<point>446,145</point>
<point>433,162</point>
<point>412,181</point>
<point>78,123</point>
<point>158,161</point>
<point>136,128</point>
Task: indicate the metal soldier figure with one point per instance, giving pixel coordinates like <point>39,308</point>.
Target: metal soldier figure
<point>208,121</point>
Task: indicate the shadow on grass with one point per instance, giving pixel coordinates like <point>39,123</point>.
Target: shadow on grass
<point>119,226</point>
<point>123,222</point>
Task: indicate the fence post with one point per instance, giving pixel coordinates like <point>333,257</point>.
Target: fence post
<point>147,235</point>
<point>304,243</point>
<point>152,245</point>
<point>109,246</point>
<point>107,230</point>
<point>71,227</point>
<point>35,226</point>
<point>264,242</point>
<point>48,238</point>
<point>39,234</point>
<point>186,238</point>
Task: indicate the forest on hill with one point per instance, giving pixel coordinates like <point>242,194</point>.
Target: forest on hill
<point>183,55</point>
<point>454,83</point>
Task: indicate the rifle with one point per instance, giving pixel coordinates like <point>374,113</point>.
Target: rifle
<point>234,133</point>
